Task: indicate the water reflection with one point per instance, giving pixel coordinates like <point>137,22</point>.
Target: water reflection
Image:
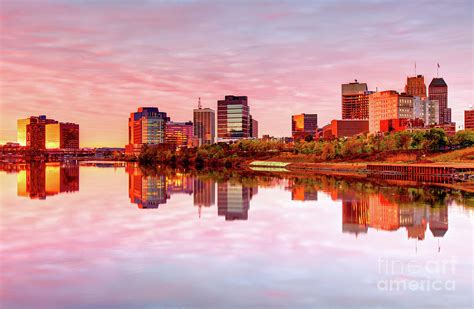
<point>364,204</point>
<point>39,180</point>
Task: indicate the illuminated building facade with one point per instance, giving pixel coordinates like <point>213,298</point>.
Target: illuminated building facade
<point>355,101</point>
<point>388,105</point>
<point>416,86</point>
<point>469,119</point>
<point>204,125</point>
<point>146,126</point>
<point>438,90</point>
<point>345,128</point>
<point>400,124</point>
<point>233,118</point>
<point>304,125</point>
<point>179,134</point>
<point>62,136</point>
<point>426,109</point>
<point>31,131</point>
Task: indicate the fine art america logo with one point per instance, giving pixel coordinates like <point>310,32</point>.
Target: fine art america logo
<point>416,276</point>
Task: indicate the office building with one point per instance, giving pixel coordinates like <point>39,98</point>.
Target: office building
<point>388,105</point>
<point>426,109</point>
<point>345,128</point>
<point>146,126</point>
<point>400,124</point>
<point>62,136</point>
<point>204,125</point>
<point>416,86</point>
<point>40,133</point>
<point>233,118</point>
<point>355,101</point>
<point>438,90</point>
<point>469,119</point>
<point>304,125</point>
<point>179,134</point>
<point>253,127</point>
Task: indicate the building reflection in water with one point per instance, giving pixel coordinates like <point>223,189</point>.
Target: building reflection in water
<point>39,180</point>
<point>233,200</point>
<point>375,211</point>
<point>204,193</point>
<point>147,191</point>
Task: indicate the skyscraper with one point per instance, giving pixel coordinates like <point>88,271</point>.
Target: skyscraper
<point>204,125</point>
<point>303,125</point>
<point>146,126</point>
<point>233,118</point>
<point>388,105</point>
<point>438,90</point>
<point>355,101</point>
<point>469,119</point>
<point>416,86</point>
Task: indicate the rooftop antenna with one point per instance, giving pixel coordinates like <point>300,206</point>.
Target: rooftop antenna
<point>199,103</point>
<point>437,71</point>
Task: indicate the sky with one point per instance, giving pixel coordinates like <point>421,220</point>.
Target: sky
<point>95,62</point>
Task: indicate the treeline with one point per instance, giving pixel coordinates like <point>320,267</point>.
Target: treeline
<point>362,146</point>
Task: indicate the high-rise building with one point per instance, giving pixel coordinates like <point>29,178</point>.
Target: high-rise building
<point>426,109</point>
<point>62,136</point>
<point>355,101</point>
<point>146,126</point>
<point>416,86</point>
<point>179,134</point>
<point>204,125</point>
<point>39,132</point>
<point>469,119</point>
<point>303,125</point>
<point>438,90</point>
<point>388,105</point>
<point>253,127</point>
<point>233,118</point>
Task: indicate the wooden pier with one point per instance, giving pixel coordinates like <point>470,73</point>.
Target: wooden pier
<point>434,173</point>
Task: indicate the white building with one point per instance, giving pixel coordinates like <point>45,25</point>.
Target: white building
<point>426,109</point>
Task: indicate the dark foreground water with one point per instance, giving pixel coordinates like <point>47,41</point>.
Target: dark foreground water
<point>119,236</point>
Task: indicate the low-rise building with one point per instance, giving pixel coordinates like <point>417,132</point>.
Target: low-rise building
<point>345,128</point>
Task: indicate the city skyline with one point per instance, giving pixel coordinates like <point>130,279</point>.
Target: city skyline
<point>69,69</point>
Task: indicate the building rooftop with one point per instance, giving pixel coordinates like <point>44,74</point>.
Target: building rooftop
<point>438,82</point>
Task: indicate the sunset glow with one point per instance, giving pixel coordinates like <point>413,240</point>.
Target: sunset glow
<point>94,62</point>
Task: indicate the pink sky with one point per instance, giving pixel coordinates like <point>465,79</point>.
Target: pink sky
<point>94,62</point>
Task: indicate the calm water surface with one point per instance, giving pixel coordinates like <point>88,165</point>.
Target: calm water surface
<point>119,236</point>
